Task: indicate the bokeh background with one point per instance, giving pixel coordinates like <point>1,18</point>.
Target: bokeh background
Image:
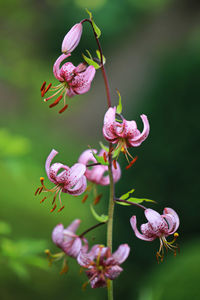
<point>153,58</point>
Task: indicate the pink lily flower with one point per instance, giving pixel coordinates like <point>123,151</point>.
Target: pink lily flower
<point>96,174</point>
<point>71,180</point>
<point>72,38</point>
<point>67,239</point>
<point>122,132</point>
<point>73,80</point>
<point>101,264</point>
<point>158,226</point>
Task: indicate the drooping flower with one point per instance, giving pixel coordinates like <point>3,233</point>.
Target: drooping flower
<point>72,38</point>
<point>67,239</point>
<point>158,226</point>
<point>73,81</point>
<point>97,174</point>
<point>69,180</point>
<point>101,265</point>
<point>118,130</point>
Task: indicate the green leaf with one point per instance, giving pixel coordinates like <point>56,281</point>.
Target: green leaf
<point>135,200</point>
<point>4,228</point>
<point>119,106</point>
<point>90,55</point>
<point>99,56</point>
<point>91,62</point>
<point>125,196</point>
<point>104,147</point>
<point>96,28</point>
<point>116,152</point>
<point>100,159</point>
<point>102,218</point>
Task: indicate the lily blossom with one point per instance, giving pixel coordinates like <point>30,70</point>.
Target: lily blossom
<point>118,130</point>
<point>70,180</point>
<point>158,226</point>
<point>73,81</point>
<point>101,264</point>
<point>96,174</point>
<point>72,38</point>
<point>67,239</point>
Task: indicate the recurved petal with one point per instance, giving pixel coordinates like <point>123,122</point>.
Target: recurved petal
<point>156,221</point>
<point>87,156</point>
<point>109,124</point>
<point>113,272</point>
<point>56,67</point>
<point>75,174</point>
<point>49,159</point>
<point>79,188</point>
<point>88,74</point>
<point>133,222</point>
<point>170,211</point>
<point>136,141</point>
<point>61,177</point>
<point>119,256</point>
<point>73,247</point>
<point>130,128</point>
<point>57,235</point>
<point>73,226</point>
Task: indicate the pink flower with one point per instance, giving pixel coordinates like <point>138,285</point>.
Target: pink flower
<point>101,264</point>
<point>96,174</point>
<point>67,240</point>
<point>158,226</point>
<point>118,130</point>
<point>69,180</point>
<point>73,80</point>
<point>72,38</point>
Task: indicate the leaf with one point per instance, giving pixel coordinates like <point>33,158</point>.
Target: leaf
<point>116,152</point>
<point>102,218</point>
<point>4,228</point>
<point>119,106</point>
<point>125,196</point>
<point>99,56</point>
<point>100,159</point>
<point>91,62</point>
<point>135,200</point>
<point>96,28</point>
<point>104,147</point>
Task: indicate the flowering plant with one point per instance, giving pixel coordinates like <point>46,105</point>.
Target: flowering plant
<point>98,168</point>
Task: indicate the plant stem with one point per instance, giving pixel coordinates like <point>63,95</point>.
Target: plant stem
<point>129,202</point>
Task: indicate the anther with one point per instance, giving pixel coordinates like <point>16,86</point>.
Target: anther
<point>43,199</point>
<point>84,198</point>
<point>61,208</point>
<point>132,162</point>
<point>56,101</point>
<point>53,208</point>
<point>40,190</point>
<point>48,87</point>
<point>115,164</point>
<point>97,199</point>
<point>105,157</point>
<point>43,86</point>
<point>63,109</point>
<point>37,191</point>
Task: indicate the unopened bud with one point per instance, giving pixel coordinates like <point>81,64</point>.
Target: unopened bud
<point>72,38</point>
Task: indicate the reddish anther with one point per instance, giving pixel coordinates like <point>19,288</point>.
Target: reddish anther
<point>43,199</point>
<point>36,191</point>
<point>84,198</point>
<point>97,199</point>
<point>114,164</point>
<point>56,101</point>
<point>63,109</point>
<point>132,162</point>
<point>105,156</point>
<point>40,190</point>
<point>48,87</point>
<point>43,86</point>
<point>53,208</point>
<point>61,208</point>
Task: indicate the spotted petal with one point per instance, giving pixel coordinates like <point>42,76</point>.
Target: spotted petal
<point>57,235</point>
<point>56,67</point>
<point>176,222</point>
<point>119,256</point>
<point>143,237</point>
<point>136,141</point>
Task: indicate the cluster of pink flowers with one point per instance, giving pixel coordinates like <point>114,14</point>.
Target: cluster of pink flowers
<point>99,263</point>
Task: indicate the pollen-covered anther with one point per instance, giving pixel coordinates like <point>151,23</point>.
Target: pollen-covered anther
<point>61,208</point>
<point>115,164</point>
<point>84,198</point>
<point>43,86</point>
<point>97,199</point>
<point>43,199</point>
<point>63,109</point>
<point>132,162</point>
<point>56,101</point>
<point>53,208</point>
<point>105,157</point>
<point>37,191</point>
<point>48,87</point>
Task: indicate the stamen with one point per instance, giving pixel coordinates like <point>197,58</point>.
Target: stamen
<point>53,208</point>
<point>105,157</point>
<point>37,191</point>
<point>48,87</point>
<point>43,199</point>
<point>97,199</point>
<point>56,101</point>
<point>115,164</point>
<point>59,91</point>
<point>132,162</point>
<point>63,109</point>
<point>61,208</point>
<point>84,198</point>
<point>43,86</point>
<point>40,190</point>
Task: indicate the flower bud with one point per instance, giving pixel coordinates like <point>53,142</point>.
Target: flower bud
<point>72,38</point>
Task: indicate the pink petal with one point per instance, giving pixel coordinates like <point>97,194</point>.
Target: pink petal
<point>137,233</point>
<point>135,142</point>
<point>113,272</point>
<point>119,256</point>
<point>73,247</point>
<point>76,172</point>
<point>79,188</point>
<point>73,226</point>
<point>172,212</point>
<point>87,156</point>
<point>72,38</point>
<point>130,128</point>
<point>49,159</point>
<point>57,235</point>
<point>66,71</point>
<point>109,124</point>
<point>56,67</point>
<point>158,224</point>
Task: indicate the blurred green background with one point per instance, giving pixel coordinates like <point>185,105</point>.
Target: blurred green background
<point>153,58</point>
